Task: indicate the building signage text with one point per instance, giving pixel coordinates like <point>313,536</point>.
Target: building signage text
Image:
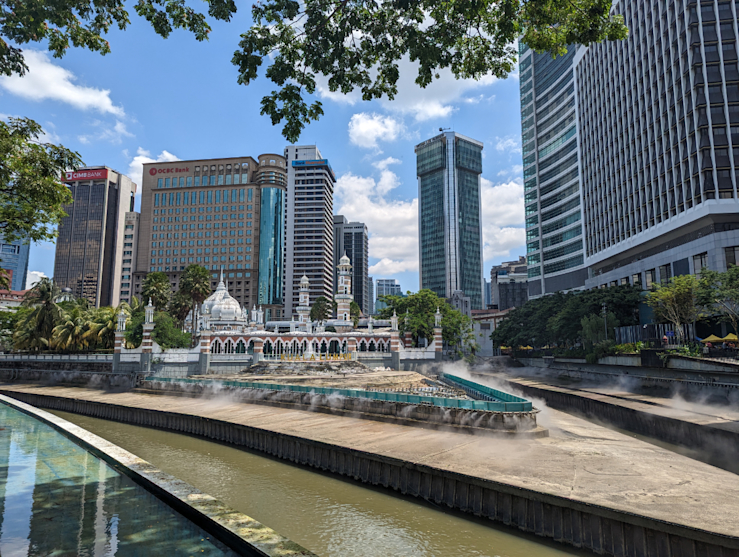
<point>96,174</point>
<point>168,170</point>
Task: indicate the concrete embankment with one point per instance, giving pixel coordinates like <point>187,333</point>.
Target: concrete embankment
<point>238,531</point>
<point>587,486</point>
<point>712,430</point>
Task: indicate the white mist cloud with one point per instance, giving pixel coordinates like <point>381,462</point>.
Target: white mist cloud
<point>33,277</point>
<point>136,166</point>
<point>365,130</point>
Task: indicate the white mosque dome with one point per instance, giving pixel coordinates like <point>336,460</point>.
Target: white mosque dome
<point>221,306</point>
<point>344,260</point>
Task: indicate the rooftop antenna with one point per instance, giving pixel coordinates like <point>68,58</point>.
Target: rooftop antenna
<point>442,129</point>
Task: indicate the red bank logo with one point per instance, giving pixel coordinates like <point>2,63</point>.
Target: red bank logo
<point>86,175</point>
<point>170,170</point>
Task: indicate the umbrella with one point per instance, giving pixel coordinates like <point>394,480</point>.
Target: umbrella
<point>732,337</point>
<point>712,338</point>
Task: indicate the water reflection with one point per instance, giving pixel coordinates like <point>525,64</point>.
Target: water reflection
<point>58,499</point>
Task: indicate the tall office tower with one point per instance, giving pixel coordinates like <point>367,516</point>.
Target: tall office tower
<point>450,244</point>
<point>508,284</point>
<point>659,137</point>
<point>386,287</point>
<point>128,263</point>
<point>371,295</point>
<point>89,249</point>
<point>14,262</point>
<point>352,238</point>
<point>554,238</point>
<point>218,213</point>
<point>309,232</point>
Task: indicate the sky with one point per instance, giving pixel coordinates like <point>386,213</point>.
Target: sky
<point>154,99</point>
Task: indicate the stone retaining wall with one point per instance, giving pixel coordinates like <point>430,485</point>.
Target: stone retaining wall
<point>421,415</point>
<point>599,529</point>
<point>79,378</point>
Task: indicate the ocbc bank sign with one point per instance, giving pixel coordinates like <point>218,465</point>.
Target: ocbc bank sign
<point>168,170</point>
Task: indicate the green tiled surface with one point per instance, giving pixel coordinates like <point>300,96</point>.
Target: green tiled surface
<point>57,499</point>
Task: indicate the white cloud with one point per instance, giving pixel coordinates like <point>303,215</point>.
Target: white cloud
<point>392,224</point>
<point>33,277</point>
<point>112,135</point>
<point>47,81</point>
<point>384,163</point>
<point>502,218</point>
<point>508,144</point>
<point>136,166</point>
<point>365,130</point>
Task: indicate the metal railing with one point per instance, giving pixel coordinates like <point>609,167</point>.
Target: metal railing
<point>505,403</point>
<point>58,357</point>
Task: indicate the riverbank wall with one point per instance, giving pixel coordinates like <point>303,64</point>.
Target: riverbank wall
<point>595,527</point>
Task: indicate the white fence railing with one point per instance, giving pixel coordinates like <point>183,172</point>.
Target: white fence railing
<point>58,357</point>
<point>241,357</point>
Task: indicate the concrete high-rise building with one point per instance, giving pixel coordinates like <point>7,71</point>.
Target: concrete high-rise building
<point>14,262</point>
<point>371,295</point>
<point>128,264</point>
<point>309,228</point>
<point>554,238</point>
<point>448,167</point>
<point>659,137</point>
<point>508,284</point>
<point>90,247</point>
<point>352,239</point>
<point>641,133</point>
<point>218,213</point>
<point>386,287</point>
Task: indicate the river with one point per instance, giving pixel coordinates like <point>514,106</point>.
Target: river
<point>324,513</point>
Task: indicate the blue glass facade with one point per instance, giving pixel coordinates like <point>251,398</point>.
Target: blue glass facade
<point>271,242</point>
<point>450,232</point>
<point>14,258</point>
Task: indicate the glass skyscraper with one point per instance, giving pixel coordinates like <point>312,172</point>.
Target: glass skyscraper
<point>14,261</point>
<point>643,135</point>
<point>271,243</point>
<point>448,167</point>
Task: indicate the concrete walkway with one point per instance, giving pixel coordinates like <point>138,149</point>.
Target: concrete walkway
<point>580,461</point>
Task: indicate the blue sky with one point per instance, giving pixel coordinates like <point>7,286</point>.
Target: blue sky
<point>167,99</point>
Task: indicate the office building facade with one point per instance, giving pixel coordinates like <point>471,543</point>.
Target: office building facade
<point>509,284</point>
<point>386,287</point>
<point>128,263</point>
<point>551,169</point>
<point>309,226</point>
<point>371,295</point>
<point>89,248</point>
<point>659,137</point>
<point>352,239</point>
<point>218,213</point>
<point>448,167</point>
<point>14,262</point>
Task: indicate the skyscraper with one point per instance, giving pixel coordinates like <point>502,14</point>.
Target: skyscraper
<point>352,238</point>
<point>14,261</point>
<point>309,232</point>
<point>218,213</point>
<point>659,137</point>
<point>386,287</point>
<point>641,135</point>
<point>371,295</point>
<point>554,240</point>
<point>450,243</point>
<point>89,249</point>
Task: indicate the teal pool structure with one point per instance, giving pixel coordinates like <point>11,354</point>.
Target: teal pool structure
<point>58,499</point>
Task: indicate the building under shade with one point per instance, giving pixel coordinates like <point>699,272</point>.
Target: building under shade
<point>90,249</point>
<point>14,262</point>
<point>218,213</point>
<point>450,232</point>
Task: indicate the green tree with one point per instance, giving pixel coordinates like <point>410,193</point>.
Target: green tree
<point>157,289</point>
<point>179,307</point>
<point>34,330</point>
<point>9,323</point>
<point>416,314</point>
<point>355,312</point>
<point>719,294</point>
<point>103,325</point>
<point>166,333</point>
<point>593,329</point>
<point>195,284</point>
<point>677,302</point>
<point>321,310</point>
<point>72,332</point>
<point>353,44</point>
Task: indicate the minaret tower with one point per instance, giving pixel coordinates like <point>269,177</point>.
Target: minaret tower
<point>303,308</point>
<point>343,295</point>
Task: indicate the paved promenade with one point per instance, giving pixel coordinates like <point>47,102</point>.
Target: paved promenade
<point>580,461</point>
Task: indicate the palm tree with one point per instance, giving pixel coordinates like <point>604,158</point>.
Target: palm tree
<point>34,331</point>
<point>157,288</point>
<point>179,307</point>
<point>195,284</point>
<point>72,332</point>
<point>103,325</point>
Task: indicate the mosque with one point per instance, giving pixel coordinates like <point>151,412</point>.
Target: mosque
<point>229,332</point>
